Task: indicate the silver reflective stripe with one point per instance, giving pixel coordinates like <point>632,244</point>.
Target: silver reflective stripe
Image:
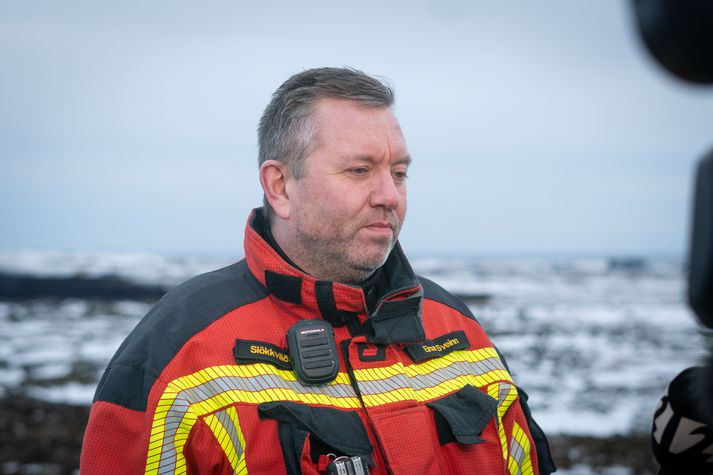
<point>379,386</point>
<point>232,431</point>
<point>517,452</point>
<point>503,391</point>
<point>184,399</point>
<point>168,450</point>
<point>434,378</point>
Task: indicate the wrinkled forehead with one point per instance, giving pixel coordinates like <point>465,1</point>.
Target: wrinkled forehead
<point>349,124</point>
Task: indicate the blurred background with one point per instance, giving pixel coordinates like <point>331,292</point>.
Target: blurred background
<point>551,188</point>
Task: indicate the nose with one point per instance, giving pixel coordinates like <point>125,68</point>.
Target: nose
<point>386,191</point>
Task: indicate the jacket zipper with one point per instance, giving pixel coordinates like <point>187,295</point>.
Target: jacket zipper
<point>344,344</point>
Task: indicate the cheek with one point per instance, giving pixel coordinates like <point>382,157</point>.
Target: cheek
<point>329,206</point>
<point>343,203</point>
<point>347,200</point>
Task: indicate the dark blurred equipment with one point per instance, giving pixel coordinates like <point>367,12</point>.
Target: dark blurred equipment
<point>679,34</point>
<point>682,431</point>
<point>700,277</point>
<point>681,442</point>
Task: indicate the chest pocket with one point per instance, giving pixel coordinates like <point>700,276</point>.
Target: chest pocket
<point>459,433</point>
<point>479,431</point>
<point>463,415</point>
<point>307,434</point>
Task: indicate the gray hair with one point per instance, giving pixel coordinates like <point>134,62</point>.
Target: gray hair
<point>286,132</point>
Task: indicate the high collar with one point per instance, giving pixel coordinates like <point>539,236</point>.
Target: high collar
<point>397,316</point>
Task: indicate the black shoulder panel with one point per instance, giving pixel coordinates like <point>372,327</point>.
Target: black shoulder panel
<point>433,291</point>
<point>183,312</point>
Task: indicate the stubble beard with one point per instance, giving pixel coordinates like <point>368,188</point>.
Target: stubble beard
<point>330,254</point>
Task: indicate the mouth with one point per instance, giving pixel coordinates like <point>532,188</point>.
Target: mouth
<point>381,229</point>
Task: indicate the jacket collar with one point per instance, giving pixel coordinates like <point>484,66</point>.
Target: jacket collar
<point>397,317</point>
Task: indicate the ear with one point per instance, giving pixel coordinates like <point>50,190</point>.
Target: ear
<point>273,178</point>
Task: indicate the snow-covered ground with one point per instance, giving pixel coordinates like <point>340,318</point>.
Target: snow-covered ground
<point>594,346</point>
<point>141,267</point>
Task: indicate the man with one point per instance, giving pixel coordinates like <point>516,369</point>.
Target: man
<point>321,351</point>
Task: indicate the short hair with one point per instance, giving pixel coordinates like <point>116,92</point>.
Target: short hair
<point>286,132</point>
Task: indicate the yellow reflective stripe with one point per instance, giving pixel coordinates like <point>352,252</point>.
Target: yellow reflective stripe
<point>221,435</point>
<point>167,440</point>
<point>189,397</point>
<point>226,429</point>
<point>428,366</point>
<point>241,468</point>
<point>494,391</point>
<point>520,462</point>
<point>375,374</point>
<point>397,395</point>
<point>513,467</point>
<point>430,379</point>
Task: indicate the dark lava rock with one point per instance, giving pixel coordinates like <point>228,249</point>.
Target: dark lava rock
<point>40,437</point>
<point>108,287</point>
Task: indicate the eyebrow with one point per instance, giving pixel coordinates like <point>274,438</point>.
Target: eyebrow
<point>406,160</point>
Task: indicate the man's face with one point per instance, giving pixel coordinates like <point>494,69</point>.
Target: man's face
<point>347,210</point>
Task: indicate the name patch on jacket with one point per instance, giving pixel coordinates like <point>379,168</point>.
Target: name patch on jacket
<point>251,351</point>
<point>437,347</point>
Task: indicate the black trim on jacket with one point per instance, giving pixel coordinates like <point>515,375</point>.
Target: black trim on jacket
<point>182,313</point>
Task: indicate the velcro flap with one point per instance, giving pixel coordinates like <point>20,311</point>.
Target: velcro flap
<point>398,321</point>
<point>466,412</point>
<point>341,430</point>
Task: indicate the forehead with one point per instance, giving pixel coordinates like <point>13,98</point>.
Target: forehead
<point>353,127</point>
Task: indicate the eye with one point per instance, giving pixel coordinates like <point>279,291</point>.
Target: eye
<point>360,171</point>
<point>400,175</point>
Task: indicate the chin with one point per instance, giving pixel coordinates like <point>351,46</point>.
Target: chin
<point>370,265</point>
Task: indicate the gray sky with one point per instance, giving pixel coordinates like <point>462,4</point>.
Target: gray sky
<point>541,128</point>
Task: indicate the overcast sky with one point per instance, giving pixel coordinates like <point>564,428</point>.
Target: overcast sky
<point>541,128</point>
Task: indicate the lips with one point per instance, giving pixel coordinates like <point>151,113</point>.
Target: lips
<point>385,226</point>
<point>383,230</point>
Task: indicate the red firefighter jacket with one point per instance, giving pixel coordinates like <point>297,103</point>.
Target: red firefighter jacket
<point>205,382</point>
